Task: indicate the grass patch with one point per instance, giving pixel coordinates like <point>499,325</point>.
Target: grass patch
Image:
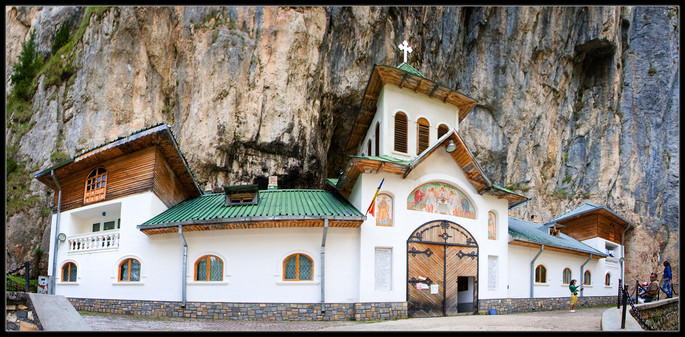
<point>18,283</point>
<point>562,193</point>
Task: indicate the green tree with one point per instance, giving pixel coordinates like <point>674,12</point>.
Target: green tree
<point>61,37</point>
<point>26,69</point>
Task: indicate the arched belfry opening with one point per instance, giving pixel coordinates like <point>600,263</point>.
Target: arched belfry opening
<point>442,270</point>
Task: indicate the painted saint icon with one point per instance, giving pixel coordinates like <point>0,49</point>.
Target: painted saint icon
<point>384,210</point>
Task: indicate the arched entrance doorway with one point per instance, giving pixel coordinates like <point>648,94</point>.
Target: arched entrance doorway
<point>442,269</point>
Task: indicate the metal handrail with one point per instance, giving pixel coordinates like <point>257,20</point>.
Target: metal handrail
<point>26,273</point>
<point>637,315</point>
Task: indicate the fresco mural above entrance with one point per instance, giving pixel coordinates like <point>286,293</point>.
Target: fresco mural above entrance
<point>441,198</point>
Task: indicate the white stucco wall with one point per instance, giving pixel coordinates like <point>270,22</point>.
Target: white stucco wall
<point>415,105</point>
<point>252,260</point>
<point>439,167</point>
<point>519,271</point>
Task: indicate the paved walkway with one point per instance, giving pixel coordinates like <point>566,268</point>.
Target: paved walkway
<point>558,320</point>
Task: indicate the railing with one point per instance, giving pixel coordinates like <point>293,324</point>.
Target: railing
<point>24,266</point>
<point>93,241</point>
<point>626,299</point>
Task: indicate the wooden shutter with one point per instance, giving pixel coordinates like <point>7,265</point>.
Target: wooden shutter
<point>423,129</point>
<point>369,148</point>
<point>377,138</point>
<point>442,130</point>
<point>401,132</point>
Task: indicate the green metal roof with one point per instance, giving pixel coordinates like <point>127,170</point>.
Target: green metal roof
<point>385,158</point>
<point>406,67</point>
<point>534,233</point>
<point>292,204</point>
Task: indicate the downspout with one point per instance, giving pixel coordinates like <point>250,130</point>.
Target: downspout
<point>583,275</point>
<point>623,252</point>
<point>532,276</point>
<point>54,255</point>
<point>185,265</point>
<point>323,264</point>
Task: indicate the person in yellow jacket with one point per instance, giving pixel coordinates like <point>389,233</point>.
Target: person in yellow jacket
<point>574,294</point>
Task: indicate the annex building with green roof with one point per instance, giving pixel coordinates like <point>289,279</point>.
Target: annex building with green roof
<point>412,227</point>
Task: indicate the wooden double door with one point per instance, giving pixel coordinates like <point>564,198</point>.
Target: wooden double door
<point>440,254</point>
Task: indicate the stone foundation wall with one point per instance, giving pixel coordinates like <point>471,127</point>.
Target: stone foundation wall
<point>510,305</point>
<point>660,315</point>
<point>267,311</point>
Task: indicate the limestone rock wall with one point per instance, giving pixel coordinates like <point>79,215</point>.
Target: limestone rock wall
<point>574,103</point>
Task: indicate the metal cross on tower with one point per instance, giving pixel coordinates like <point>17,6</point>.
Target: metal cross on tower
<point>404,46</point>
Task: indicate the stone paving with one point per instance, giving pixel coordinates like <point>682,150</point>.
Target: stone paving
<point>585,319</point>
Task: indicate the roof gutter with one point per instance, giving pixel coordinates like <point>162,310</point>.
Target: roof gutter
<point>532,277</point>
<point>623,250</point>
<point>323,265</point>
<point>583,275</point>
<point>56,233</point>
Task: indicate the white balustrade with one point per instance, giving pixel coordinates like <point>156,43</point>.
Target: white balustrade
<point>93,241</point>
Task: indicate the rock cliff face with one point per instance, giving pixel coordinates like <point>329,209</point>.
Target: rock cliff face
<point>574,103</point>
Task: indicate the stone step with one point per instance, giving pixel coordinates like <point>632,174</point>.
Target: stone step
<point>25,326</point>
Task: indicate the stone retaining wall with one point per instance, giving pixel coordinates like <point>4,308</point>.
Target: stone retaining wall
<point>267,311</point>
<point>19,313</point>
<point>660,315</point>
<point>511,305</point>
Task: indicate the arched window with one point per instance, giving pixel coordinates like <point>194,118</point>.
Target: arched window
<point>587,280</point>
<point>400,132</point>
<point>567,276</point>
<point>298,267</point>
<point>209,268</point>
<point>607,279</point>
<point>540,274</point>
<point>384,209</point>
<point>129,270</point>
<point>422,132</point>
<point>95,185</point>
<point>442,130</point>
<point>368,152</point>
<point>492,226</point>
<point>377,138</point>
<point>69,272</point>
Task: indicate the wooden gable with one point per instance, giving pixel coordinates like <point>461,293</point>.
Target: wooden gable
<point>597,223</point>
<point>145,161</point>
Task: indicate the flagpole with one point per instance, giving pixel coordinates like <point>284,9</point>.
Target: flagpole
<point>373,201</point>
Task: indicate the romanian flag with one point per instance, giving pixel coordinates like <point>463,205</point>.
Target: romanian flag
<point>372,207</point>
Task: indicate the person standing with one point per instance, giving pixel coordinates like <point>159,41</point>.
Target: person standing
<point>668,276</point>
<point>574,294</point>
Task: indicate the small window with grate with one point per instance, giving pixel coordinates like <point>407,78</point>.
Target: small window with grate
<point>69,272</point>
<point>298,267</point>
<point>423,132</point>
<point>209,268</point>
<point>400,132</point>
<point>129,271</point>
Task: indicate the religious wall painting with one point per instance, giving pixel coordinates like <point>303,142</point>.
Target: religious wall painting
<point>384,210</point>
<point>492,226</point>
<point>441,198</point>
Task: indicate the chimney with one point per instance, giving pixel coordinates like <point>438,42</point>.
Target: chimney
<point>273,183</point>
